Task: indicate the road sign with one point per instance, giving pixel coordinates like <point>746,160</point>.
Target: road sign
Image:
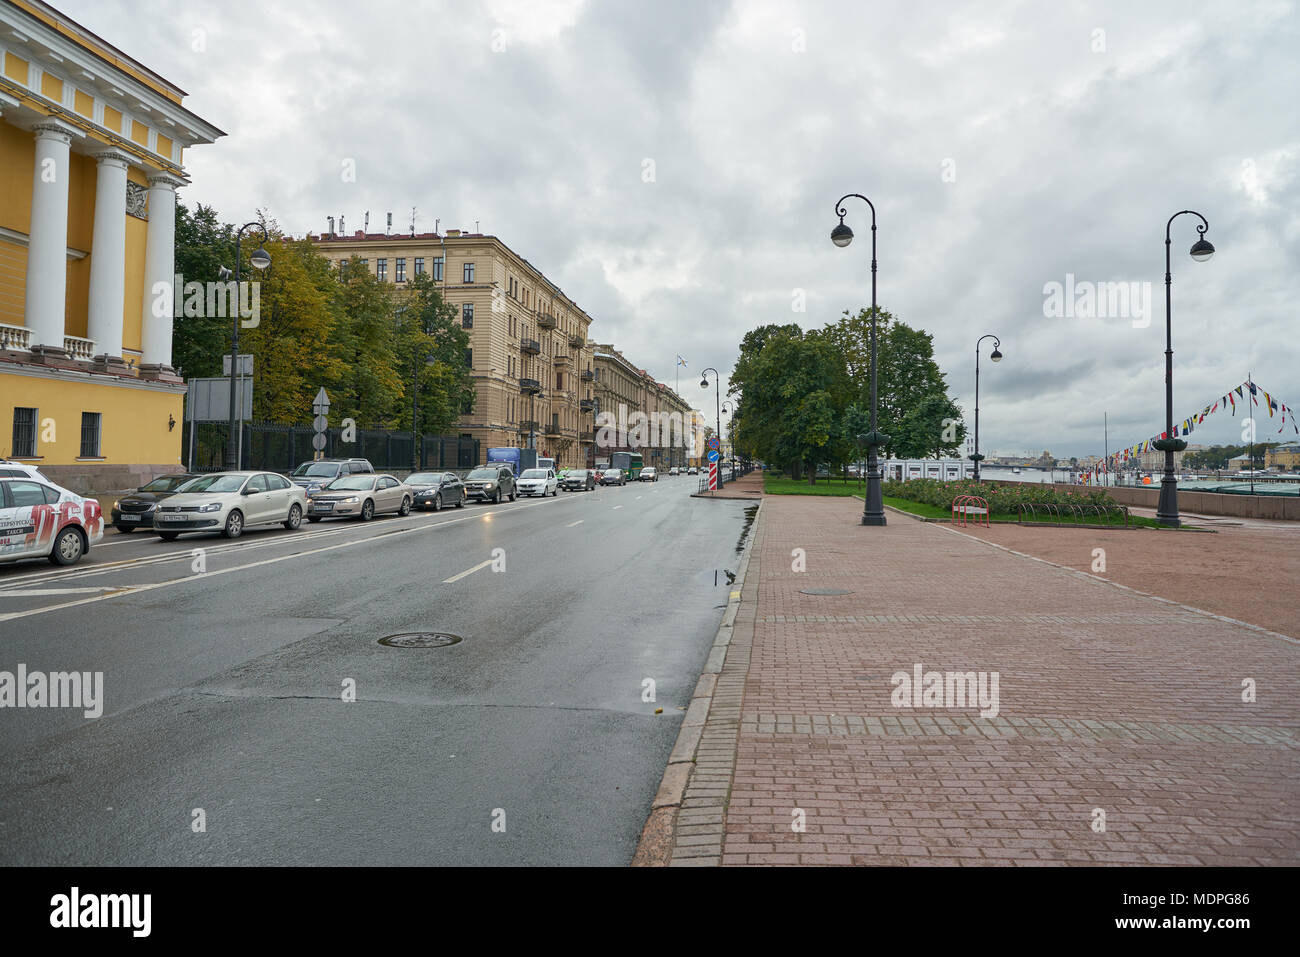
<point>209,400</point>
<point>321,404</point>
<point>245,364</point>
<point>713,476</point>
<point>320,423</point>
<point>714,443</point>
<point>318,442</point>
<point>713,455</point>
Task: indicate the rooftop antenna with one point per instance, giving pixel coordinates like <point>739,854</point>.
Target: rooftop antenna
<point>435,225</point>
<point>389,228</point>
<point>412,222</point>
<point>331,222</point>
<point>476,226</point>
<point>366,227</point>
<point>342,228</point>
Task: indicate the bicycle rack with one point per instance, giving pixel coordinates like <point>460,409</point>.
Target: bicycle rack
<point>964,506</point>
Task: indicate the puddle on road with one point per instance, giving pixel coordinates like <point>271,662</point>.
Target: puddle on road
<point>750,512</point>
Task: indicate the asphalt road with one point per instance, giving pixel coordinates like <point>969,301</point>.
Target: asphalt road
<point>225,672</point>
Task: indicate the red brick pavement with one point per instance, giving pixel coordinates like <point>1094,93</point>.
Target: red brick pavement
<point>1108,700</point>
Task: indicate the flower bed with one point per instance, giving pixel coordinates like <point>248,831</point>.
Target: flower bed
<point>1002,499</point>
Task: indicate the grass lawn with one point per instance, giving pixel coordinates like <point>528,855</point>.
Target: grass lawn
<point>780,485</point>
<point>923,510</point>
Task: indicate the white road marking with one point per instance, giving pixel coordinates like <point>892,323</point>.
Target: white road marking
<point>617,507</point>
<point>34,592</point>
<point>571,524</point>
<point>466,572</point>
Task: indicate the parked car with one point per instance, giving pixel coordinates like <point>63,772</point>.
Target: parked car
<point>136,509</point>
<point>22,470</point>
<point>578,480</point>
<point>648,474</point>
<point>229,502</point>
<point>539,482</point>
<point>320,472</point>
<point>692,471</point>
<point>42,520</point>
<point>613,477</point>
<point>491,484</point>
<point>433,490</point>
<point>673,470</point>
<point>359,496</point>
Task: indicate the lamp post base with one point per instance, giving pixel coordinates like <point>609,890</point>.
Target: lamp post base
<point>873,512</point>
<point>1167,507</point>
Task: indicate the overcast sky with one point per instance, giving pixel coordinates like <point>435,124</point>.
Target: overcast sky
<point>673,166</point>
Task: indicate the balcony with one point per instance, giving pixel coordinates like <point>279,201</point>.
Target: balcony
<point>586,436</point>
<point>530,346</point>
<point>545,321</point>
<point>587,405</point>
<point>529,426</point>
<point>79,348</point>
<point>552,428</point>
<point>563,361</point>
<point>530,386</point>
<point>577,340</point>
<point>14,337</point>
<point>588,376</point>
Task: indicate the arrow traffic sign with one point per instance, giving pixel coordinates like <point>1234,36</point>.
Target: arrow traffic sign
<point>321,404</point>
<point>713,455</point>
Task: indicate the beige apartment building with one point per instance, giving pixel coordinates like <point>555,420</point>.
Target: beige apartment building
<point>531,361</point>
<point>623,389</point>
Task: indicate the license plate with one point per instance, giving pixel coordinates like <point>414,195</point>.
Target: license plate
<point>171,518</point>
<point>322,507</point>
<point>129,518</point>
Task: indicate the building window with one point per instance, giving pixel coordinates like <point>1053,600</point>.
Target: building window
<point>437,268</point>
<point>365,264</point>
<point>469,358</point>
<point>468,272</point>
<point>381,269</point>
<point>467,316</point>
<point>90,425</point>
<point>559,381</point>
<point>419,265</point>
<point>24,444</point>
<point>401,270</point>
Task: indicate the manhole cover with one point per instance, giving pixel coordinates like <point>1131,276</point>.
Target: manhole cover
<point>420,639</point>
<point>824,591</point>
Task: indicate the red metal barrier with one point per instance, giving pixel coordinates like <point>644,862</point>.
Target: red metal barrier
<point>967,505</point>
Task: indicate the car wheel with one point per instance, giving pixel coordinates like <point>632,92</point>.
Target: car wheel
<point>168,536</point>
<point>313,518</point>
<point>68,547</point>
<point>368,510</point>
<point>295,517</point>
<point>512,496</point>
<point>406,506</point>
<point>234,525</point>
<point>437,502</point>
<point>496,497</point>
<point>125,529</point>
<point>460,503</point>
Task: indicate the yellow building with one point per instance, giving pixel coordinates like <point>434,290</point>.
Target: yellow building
<point>1285,458</point>
<point>624,392</point>
<point>529,356</point>
<point>91,144</point>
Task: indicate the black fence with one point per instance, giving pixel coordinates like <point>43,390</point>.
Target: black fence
<point>281,448</point>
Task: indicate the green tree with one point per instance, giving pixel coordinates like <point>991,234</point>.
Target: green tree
<point>202,246</point>
<point>429,345</point>
<point>932,427</point>
<point>367,386</point>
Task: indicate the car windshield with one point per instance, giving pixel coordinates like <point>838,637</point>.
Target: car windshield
<point>534,473</point>
<point>352,483</point>
<point>215,483</point>
<point>482,474</point>
<point>424,478</point>
<point>166,484</point>
<point>317,469</point>
<point>576,473</point>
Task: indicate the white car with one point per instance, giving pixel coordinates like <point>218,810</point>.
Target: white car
<point>648,474</point>
<point>538,482</point>
<point>41,520</point>
<point>229,502</point>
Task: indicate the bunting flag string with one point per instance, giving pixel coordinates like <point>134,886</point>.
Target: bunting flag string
<point>1227,401</point>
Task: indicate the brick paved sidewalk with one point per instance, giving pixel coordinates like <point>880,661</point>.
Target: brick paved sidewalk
<point>1108,701</point>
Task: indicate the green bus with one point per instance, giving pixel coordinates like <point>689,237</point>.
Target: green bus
<point>629,462</point>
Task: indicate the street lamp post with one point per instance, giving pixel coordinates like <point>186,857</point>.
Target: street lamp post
<point>873,508</point>
<point>717,402</point>
<point>1167,508</point>
<point>996,357</point>
<point>260,260</point>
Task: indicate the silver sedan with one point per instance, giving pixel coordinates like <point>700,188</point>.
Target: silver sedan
<point>360,496</point>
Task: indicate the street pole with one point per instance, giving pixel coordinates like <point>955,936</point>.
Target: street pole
<point>1105,447</point>
<point>260,260</point>
<point>717,404</point>
<point>1167,507</point>
<point>873,505</point>
<point>996,357</point>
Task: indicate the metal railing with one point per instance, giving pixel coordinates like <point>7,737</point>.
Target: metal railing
<point>1052,514</point>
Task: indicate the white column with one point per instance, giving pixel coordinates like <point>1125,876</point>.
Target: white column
<point>47,243</point>
<point>159,272</point>
<point>108,255</point>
